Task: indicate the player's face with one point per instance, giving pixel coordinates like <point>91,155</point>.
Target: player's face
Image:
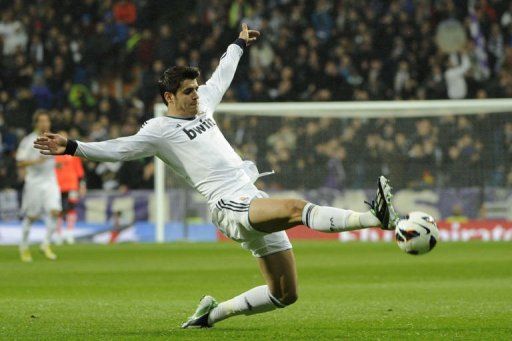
<point>186,99</point>
<point>43,123</point>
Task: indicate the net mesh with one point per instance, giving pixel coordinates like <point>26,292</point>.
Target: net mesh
<point>341,153</point>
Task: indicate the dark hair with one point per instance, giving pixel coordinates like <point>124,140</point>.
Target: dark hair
<point>171,79</point>
<point>38,113</point>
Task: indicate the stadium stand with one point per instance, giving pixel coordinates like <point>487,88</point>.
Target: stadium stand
<point>321,51</point>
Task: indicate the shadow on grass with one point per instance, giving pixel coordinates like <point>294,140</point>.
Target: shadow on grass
<point>194,332</point>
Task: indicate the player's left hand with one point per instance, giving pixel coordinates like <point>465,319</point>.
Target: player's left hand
<point>250,36</point>
<point>51,144</point>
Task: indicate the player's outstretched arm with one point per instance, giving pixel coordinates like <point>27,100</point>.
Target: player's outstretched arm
<point>211,93</point>
<point>140,145</point>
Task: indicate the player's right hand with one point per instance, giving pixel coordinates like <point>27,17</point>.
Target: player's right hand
<point>51,144</point>
<point>250,36</point>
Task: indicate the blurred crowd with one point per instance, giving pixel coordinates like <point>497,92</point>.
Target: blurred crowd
<point>451,151</point>
<point>94,65</point>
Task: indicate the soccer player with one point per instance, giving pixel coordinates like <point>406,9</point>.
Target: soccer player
<point>70,173</point>
<point>41,196</point>
<point>189,140</point>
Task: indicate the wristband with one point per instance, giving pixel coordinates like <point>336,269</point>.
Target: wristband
<point>71,147</point>
<point>240,42</point>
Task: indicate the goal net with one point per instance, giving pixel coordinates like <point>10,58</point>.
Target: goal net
<point>448,158</point>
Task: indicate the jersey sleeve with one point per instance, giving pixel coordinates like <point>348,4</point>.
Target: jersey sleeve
<point>140,145</point>
<point>210,94</point>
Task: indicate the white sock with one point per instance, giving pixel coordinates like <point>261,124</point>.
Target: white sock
<point>25,231</point>
<point>254,301</point>
<point>330,219</point>
<point>51,224</point>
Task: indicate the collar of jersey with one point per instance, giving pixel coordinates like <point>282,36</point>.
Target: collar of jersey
<point>182,118</point>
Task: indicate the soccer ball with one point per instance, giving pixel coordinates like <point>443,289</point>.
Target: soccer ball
<point>417,233</point>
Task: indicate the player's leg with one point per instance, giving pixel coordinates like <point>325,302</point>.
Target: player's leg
<point>59,234</point>
<point>52,209</point>
<point>280,274</point>
<point>277,265</point>
<point>71,218</point>
<point>51,224</point>
<point>26,224</point>
<point>30,209</point>
<point>270,215</point>
<point>59,231</point>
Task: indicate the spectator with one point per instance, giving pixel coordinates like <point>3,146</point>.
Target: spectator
<point>322,20</point>
<point>455,76</point>
<point>136,174</point>
<point>457,215</point>
<point>13,34</point>
<point>166,46</point>
<point>125,12</point>
<point>80,97</point>
<point>94,64</point>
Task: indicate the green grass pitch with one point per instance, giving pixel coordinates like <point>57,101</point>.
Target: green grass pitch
<point>347,291</point>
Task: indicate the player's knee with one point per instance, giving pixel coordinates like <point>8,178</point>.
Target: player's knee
<point>289,298</point>
<point>294,208</point>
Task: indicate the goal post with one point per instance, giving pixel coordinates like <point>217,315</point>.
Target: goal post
<point>364,109</point>
<point>159,191</point>
<point>336,110</point>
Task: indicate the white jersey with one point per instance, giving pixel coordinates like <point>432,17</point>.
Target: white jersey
<point>194,148</point>
<point>38,174</point>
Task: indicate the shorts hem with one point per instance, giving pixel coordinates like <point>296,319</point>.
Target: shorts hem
<point>273,251</point>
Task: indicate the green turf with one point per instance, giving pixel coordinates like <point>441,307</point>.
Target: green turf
<point>347,291</point>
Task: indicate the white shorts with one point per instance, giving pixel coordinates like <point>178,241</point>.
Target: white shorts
<point>231,216</point>
<point>40,199</point>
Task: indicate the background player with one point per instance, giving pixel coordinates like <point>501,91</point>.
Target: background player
<point>70,174</point>
<point>41,195</point>
<point>189,141</point>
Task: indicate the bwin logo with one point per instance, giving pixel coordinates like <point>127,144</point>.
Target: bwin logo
<point>199,129</point>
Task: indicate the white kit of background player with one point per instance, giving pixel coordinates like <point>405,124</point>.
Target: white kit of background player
<point>190,142</point>
<point>41,195</point>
